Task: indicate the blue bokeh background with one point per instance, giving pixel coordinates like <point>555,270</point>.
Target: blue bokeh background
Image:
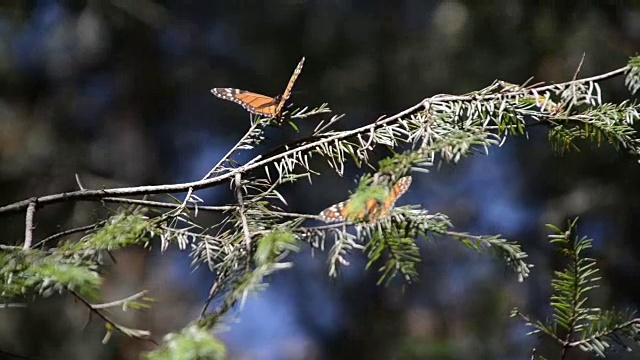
<point>119,93</point>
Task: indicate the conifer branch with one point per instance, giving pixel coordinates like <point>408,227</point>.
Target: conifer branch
<point>574,324</point>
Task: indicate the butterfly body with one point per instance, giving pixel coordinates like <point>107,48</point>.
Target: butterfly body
<point>371,208</point>
<point>257,103</point>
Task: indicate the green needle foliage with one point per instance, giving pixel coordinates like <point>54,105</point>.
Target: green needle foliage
<point>575,324</point>
<point>402,255</point>
<point>273,246</point>
<point>40,273</point>
<point>193,342</point>
<point>632,80</point>
<point>73,265</point>
<point>121,230</point>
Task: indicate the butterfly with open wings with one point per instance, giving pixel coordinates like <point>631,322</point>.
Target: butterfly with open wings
<point>257,103</point>
<point>373,208</point>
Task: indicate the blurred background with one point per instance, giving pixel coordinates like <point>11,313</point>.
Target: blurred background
<point>118,92</point>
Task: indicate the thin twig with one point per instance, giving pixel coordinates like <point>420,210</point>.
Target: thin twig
<point>508,127</point>
<point>160,204</point>
<point>13,305</point>
<point>456,234</point>
<point>575,75</point>
<point>178,210</point>
<point>543,329</point>
<point>319,228</point>
<point>102,193</point>
<point>93,310</point>
<point>227,304</point>
<point>604,76</point>
<point>232,150</point>
<point>121,301</point>
<point>16,356</point>
<point>296,215</point>
<point>573,84</point>
<point>319,129</point>
<point>106,319</point>
<point>68,232</point>
<point>79,182</point>
<point>245,224</point>
<point>28,225</point>
<point>212,293</point>
<point>447,98</point>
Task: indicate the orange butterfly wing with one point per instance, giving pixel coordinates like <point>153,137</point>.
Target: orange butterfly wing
<point>373,209</point>
<point>398,189</point>
<point>256,103</point>
<point>287,91</point>
<point>252,102</point>
<point>334,213</point>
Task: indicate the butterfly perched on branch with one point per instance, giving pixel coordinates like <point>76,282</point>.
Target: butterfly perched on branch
<point>260,104</point>
<point>373,208</point>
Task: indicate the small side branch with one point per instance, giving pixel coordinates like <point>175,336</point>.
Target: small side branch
<point>16,356</point>
<point>121,301</point>
<point>226,157</point>
<point>134,333</point>
<point>215,288</point>
<point>93,310</point>
<point>68,232</point>
<point>611,332</point>
<point>28,226</point>
<point>166,205</point>
<point>245,224</point>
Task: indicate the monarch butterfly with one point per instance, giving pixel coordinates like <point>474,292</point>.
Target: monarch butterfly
<point>257,103</point>
<point>373,208</point>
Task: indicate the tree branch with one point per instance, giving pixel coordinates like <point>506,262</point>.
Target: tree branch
<point>260,161</point>
<point>254,163</point>
<point>103,193</point>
